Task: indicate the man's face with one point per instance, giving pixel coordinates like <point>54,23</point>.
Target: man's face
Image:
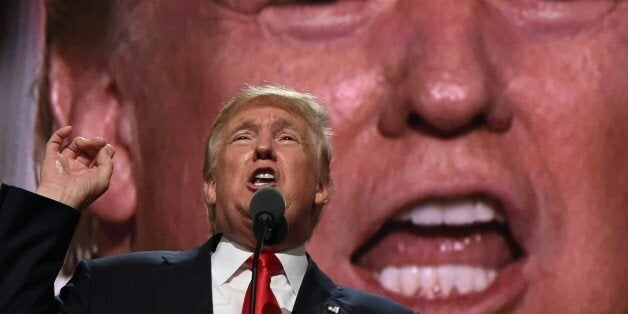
<point>480,160</point>
<point>263,144</point>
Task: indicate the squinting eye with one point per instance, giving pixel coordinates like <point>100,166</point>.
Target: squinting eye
<point>241,138</point>
<point>287,138</point>
<point>548,16</point>
<point>309,20</point>
<point>244,6</point>
<point>321,20</point>
<point>255,6</point>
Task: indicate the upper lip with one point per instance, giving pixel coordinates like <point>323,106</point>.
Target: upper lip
<point>517,206</point>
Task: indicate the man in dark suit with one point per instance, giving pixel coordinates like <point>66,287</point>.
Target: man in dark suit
<point>265,136</point>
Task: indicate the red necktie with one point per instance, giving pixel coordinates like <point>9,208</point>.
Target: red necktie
<point>265,303</point>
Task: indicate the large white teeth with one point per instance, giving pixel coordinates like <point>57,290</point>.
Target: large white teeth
<point>433,282</point>
<point>265,176</point>
<point>461,212</point>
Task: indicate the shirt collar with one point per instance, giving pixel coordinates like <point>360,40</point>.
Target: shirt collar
<point>294,263</point>
<point>230,256</point>
<point>227,259</point>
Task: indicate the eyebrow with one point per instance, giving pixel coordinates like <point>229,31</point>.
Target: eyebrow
<point>246,125</point>
<point>282,123</point>
<point>277,124</point>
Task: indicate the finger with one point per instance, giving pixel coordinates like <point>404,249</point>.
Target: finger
<point>93,144</point>
<point>108,150</point>
<point>72,150</point>
<point>88,149</point>
<point>53,146</point>
<point>83,146</point>
<point>85,158</point>
<point>104,162</point>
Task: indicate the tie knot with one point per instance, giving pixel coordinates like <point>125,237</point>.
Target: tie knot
<point>268,261</point>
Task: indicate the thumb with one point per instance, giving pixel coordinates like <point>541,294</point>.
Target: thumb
<point>104,162</point>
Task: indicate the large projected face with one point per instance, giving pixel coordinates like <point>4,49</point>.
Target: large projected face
<point>480,162</point>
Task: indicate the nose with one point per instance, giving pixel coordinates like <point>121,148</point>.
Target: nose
<point>264,149</point>
<point>445,82</point>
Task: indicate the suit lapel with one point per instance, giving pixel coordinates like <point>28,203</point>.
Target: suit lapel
<point>182,284</point>
<point>318,294</point>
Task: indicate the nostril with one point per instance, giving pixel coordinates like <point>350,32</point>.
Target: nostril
<point>417,123</point>
<point>264,154</point>
<point>477,122</point>
<point>264,150</point>
<point>444,120</point>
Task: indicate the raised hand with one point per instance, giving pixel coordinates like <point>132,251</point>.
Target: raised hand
<point>78,173</point>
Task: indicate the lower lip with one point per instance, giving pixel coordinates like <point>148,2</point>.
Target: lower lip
<point>503,292</point>
<point>252,187</point>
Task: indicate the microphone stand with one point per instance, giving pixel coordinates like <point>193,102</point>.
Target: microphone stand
<point>258,250</point>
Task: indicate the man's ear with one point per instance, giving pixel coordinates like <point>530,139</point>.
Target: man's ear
<point>209,191</point>
<point>323,193</point>
<point>86,97</point>
<point>209,194</point>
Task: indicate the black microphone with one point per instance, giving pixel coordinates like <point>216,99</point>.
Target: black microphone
<point>269,223</point>
<point>269,227</point>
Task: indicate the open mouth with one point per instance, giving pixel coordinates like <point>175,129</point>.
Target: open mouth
<point>263,177</point>
<point>441,250</point>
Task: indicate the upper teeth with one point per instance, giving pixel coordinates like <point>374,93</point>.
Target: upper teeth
<point>264,175</point>
<point>461,212</point>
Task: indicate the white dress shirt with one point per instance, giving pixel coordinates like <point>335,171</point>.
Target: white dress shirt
<point>231,277</point>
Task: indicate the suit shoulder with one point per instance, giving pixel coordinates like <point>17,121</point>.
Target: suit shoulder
<point>365,302</point>
<point>125,273</point>
<point>142,259</point>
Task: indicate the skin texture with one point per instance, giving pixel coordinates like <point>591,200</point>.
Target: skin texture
<point>523,100</point>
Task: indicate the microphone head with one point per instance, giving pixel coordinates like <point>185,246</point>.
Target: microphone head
<point>267,199</point>
<point>266,208</point>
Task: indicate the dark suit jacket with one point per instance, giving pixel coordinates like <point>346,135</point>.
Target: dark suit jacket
<point>34,236</point>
